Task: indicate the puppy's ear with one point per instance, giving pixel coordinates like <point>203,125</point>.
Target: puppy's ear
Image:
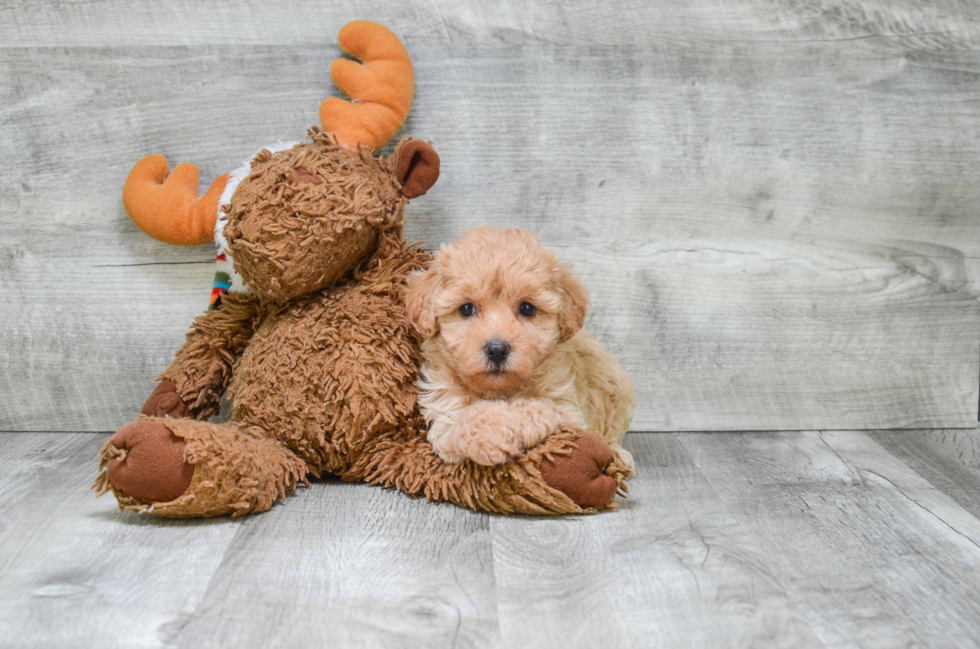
<point>574,303</point>
<point>423,287</point>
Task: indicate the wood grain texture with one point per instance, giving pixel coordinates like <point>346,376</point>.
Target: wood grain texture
<point>727,540</point>
<point>76,572</point>
<point>27,460</point>
<point>773,204</point>
<point>949,459</point>
<point>942,24</point>
<point>671,568</point>
<point>875,554</point>
<point>350,565</point>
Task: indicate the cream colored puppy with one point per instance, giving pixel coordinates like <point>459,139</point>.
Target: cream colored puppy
<point>506,360</point>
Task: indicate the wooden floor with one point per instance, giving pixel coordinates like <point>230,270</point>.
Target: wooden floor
<point>836,539</point>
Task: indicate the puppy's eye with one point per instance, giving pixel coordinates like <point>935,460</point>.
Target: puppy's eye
<point>527,309</point>
<point>467,310</point>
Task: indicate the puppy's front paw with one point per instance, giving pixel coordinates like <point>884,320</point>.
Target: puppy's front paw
<point>488,437</point>
<point>482,447</point>
<point>491,450</point>
<point>539,418</point>
<point>486,432</point>
<point>479,449</point>
<point>496,432</point>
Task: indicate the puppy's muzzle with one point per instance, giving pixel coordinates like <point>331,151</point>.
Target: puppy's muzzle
<point>497,351</point>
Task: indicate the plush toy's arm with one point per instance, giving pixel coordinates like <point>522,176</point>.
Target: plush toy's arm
<point>199,375</point>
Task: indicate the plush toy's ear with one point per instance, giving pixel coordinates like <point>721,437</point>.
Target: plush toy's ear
<point>574,303</point>
<point>423,288</point>
<point>416,167</point>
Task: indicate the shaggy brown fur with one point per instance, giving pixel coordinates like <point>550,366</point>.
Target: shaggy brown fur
<point>320,363</point>
<point>276,237</point>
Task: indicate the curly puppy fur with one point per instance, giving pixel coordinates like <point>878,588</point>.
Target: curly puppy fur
<point>547,373</point>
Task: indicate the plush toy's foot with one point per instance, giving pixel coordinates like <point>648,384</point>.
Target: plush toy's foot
<point>145,460</point>
<point>588,474</point>
<point>187,468</point>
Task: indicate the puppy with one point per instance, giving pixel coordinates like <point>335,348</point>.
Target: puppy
<point>506,360</point>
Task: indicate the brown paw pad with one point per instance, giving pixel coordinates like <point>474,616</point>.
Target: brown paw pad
<point>148,462</point>
<point>164,402</point>
<point>580,474</point>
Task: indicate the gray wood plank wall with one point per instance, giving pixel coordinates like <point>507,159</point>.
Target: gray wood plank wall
<point>774,204</point>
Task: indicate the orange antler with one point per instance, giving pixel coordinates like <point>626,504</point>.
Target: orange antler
<point>381,88</point>
<point>166,207</point>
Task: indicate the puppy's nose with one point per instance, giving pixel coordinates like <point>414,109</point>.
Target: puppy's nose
<point>497,351</point>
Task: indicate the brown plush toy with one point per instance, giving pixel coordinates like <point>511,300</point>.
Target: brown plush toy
<point>308,334</point>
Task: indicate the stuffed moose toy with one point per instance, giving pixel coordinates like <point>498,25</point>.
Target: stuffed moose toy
<point>307,333</point>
